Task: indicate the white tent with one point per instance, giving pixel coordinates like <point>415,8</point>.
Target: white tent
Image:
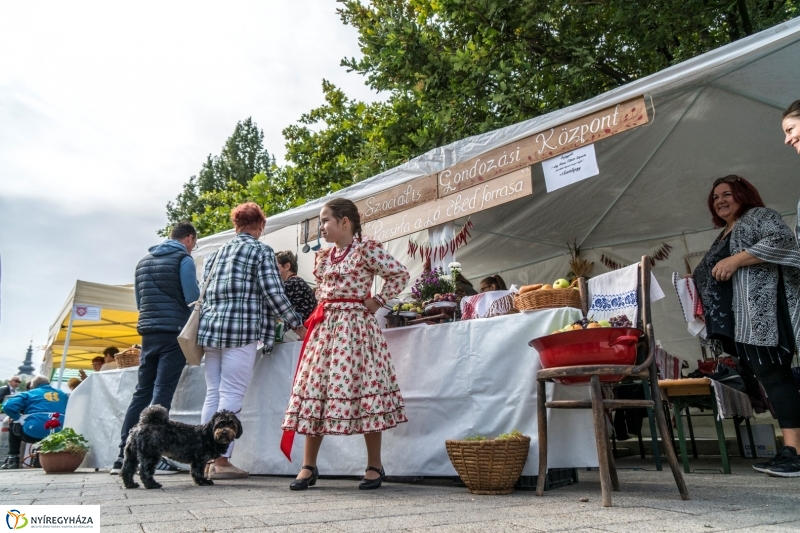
<point>713,115</point>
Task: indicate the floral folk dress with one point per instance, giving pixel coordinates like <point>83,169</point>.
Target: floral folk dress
<point>346,383</point>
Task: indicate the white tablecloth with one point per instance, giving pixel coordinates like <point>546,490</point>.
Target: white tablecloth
<point>475,377</point>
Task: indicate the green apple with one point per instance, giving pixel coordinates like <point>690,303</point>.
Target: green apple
<point>561,284</point>
<point>604,323</point>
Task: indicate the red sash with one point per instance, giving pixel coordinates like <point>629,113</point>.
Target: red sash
<point>317,316</point>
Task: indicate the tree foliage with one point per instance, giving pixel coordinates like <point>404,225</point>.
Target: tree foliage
<point>223,181</point>
<point>449,69</point>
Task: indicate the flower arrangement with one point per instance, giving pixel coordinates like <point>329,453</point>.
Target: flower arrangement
<point>436,281</point>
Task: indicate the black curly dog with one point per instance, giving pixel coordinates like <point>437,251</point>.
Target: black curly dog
<point>156,435</point>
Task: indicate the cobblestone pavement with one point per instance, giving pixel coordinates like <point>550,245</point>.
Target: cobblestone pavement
<point>648,502</point>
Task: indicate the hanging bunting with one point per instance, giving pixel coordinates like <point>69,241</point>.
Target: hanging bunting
<point>659,254</point>
<point>427,251</point>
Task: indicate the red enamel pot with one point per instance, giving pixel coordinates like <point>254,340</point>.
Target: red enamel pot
<point>596,346</point>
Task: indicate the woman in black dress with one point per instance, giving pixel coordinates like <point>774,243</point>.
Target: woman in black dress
<point>296,289</point>
<point>749,283</point>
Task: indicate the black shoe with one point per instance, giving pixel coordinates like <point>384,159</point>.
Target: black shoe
<point>787,464</point>
<point>785,454</point>
<point>303,484</point>
<point>369,484</point>
<point>117,468</point>
<point>11,463</point>
<point>36,462</point>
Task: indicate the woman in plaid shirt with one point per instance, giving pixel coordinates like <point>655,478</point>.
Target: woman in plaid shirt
<point>242,302</point>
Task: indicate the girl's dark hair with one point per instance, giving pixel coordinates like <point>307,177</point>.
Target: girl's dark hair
<point>745,194</point>
<point>287,257</point>
<point>793,110</point>
<point>497,281</point>
<point>341,208</point>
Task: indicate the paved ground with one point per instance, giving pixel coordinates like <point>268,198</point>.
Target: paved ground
<point>648,502</point>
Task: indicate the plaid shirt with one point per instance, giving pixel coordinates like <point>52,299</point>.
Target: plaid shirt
<point>245,297</point>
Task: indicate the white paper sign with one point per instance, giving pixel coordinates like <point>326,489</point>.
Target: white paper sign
<point>86,312</point>
<point>569,168</point>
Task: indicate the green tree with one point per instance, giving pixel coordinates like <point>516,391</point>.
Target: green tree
<point>222,182</point>
<point>450,69</point>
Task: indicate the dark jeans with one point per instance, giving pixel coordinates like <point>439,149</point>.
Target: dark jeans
<point>160,366</point>
<point>16,437</point>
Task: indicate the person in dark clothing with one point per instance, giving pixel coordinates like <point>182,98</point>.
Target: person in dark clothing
<point>749,283</point>
<point>165,285</point>
<point>10,389</point>
<point>295,287</point>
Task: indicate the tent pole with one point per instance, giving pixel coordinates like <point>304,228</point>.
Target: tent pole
<point>64,353</point>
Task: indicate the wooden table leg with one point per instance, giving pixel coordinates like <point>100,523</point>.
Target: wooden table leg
<point>677,407</point>
<point>723,449</point>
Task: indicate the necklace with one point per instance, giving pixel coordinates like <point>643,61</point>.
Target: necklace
<point>338,259</point>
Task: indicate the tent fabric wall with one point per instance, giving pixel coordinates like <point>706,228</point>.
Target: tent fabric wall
<point>117,325</point>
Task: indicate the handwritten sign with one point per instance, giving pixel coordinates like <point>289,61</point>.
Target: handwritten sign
<point>569,168</point>
<point>468,201</point>
<point>396,199</point>
<point>543,145</point>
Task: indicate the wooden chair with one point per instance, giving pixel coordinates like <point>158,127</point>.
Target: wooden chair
<point>645,371</point>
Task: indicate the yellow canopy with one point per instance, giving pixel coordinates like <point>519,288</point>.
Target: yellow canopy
<point>88,339</point>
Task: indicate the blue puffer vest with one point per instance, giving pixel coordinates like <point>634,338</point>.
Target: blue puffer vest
<point>162,308</point>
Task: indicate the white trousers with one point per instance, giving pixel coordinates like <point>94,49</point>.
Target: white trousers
<point>228,373</point>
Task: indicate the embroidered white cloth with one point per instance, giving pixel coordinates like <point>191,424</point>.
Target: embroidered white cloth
<point>614,293</point>
<point>487,304</point>
<point>687,296</point>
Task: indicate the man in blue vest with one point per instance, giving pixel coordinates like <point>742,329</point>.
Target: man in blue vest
<point>29,412</point>
<point>165,285</point>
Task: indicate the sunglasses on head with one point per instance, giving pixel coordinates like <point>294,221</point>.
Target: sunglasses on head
<point>727,179</point>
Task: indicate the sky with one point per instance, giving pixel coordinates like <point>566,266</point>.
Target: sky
<point>107,108</point>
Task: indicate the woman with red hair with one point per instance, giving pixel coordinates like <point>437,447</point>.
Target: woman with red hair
<point>749,283</point>
<point>242,303</point>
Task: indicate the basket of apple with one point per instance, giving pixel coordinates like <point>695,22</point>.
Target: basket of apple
<point>589,342</point>
<point>561,293</point>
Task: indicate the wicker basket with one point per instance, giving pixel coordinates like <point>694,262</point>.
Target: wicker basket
<point>128,358</point>
<point>549,298</point>
<point>489,466</point>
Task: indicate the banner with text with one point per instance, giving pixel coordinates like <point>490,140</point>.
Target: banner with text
<point>89,313</point>
<point>544,145</point>
<point>469,201</point>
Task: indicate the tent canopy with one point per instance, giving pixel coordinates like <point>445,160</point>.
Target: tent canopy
<point>116,327</point>
<point>716,114</point>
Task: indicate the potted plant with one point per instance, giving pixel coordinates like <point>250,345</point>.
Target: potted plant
<point>490,466</point>
<point>62,451</point>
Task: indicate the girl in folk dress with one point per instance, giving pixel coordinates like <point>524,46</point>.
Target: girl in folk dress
<point>345,381</point>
